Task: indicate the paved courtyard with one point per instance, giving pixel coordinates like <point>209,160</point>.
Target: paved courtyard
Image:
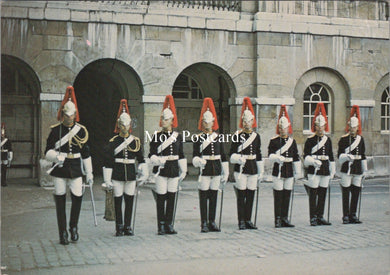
<point>30,239</point>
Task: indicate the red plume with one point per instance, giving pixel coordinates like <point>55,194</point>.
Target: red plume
<point>320,109</point>
<point>208,104</point>
<point>69,94</point>
<point>247,104</point>
<point>123,108</point>
<point>283,112</point>
<point>355,111</point>
<point>170,103</point>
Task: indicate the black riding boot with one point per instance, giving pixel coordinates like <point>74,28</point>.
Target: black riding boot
<point>241,208</point>
<point>169,215</point>
<point>212,210</point>
<point>285,207</point>
<point>203,196</point>
<point>321,206</point>
<point>345,195</point>
<point>250,195</point>
<point>61,218</point>
<point>312,192</point>
<point>278,196</point>
<point>129,200</point>
<point>160,202</point>
<point>355,192</point>
<point>118,216</point>
<point>74,216</point>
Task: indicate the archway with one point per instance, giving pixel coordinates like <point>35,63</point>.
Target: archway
<point>20,89</point>
<point>192,85</point>
<point>99,87</point>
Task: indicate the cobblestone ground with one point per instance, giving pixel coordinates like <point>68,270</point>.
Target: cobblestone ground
<point>30,242</point>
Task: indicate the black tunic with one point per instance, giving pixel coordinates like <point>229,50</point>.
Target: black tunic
<point>212,167</point>
<point>123,171</point>
<point>5,148</point>
<point>71,167</point>
<point>360,150</point>
<point>325,150</point>
<point>287,168</point>
<point>250,166</point>
<point>171,167</point>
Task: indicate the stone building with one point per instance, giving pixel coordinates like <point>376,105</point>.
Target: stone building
<point>276,52</point>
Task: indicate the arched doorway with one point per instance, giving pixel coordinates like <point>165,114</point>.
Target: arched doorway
<point>99,87</point>
<point>192,85</point>
<point>20,89</point>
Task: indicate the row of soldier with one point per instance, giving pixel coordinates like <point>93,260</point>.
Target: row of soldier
<point>125,167</point>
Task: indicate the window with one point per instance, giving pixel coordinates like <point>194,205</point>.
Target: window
<point>187,88</point>
<point>385,110</point>
<point>314,93</point>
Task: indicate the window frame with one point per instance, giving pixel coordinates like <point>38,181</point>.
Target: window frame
<point>386,90</point>
<point>181,89</point>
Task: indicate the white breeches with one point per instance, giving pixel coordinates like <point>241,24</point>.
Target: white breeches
<point>245,181</point>
<point>209,182</point>
<point>315,180</point>
<point>120,187</point>
<point>283,183</point>
<point>164,185</point>
<point>75,186</point>
<point>346,180</point>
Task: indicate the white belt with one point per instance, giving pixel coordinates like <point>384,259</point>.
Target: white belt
<point>212,157</point>
<point>125,161</point>
<point>288,160</point>
<point>320,157</point>
<point>249,157</point>
<point>355,157</point>
<point>70,155</point>
<point>4,151</point>
<point>173,157</point>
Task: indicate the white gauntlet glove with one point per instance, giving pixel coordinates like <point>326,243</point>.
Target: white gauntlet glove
<point>199,162</point>
<point>332,169</point>
<point>225,172</point>
<point>260,169</point>
<point>107,173</point>
<point>237,159</point>
<point>157,161</point>
<point>143,172</point>
<point>183,169</point>
<point>297,167</point>
<point>88,170</point>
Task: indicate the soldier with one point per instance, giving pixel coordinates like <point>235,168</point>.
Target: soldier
<point>352,158</point>
<point>119,171</point>
<point>209,156</point>
<point>170,166</point>
<point>68,149</point>
<point>6,155</point>
<point>319,160</point>
<point>283,152</point>
<point>245,153</point>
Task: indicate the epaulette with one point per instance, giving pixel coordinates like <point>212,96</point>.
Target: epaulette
<point>312,135</point>
<point>113,138</point>
<point>238,132</point>
<point>82,126</point>
<point>275,137</point>
<point>201,133</point>
<point>347,134</point>
<point>55,125</point>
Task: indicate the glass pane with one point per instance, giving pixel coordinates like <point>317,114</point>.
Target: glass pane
<point>324,94</point>
<point>383,123</point>
<point>193,84</point>
<point>306,123</point>
<point>385,95</point>
<point>387,110</point>
<point>194,94</point>
<point>306,108</point>
<point>315,98</point>
<point>313,108</point>
<point>383,109</point>
<point>307,94</point>
<point>326,109</point>
<point>181,81</point>
<point>315,87</point>
<point>179,94</point>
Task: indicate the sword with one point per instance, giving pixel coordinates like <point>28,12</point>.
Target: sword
<point>241,168</point>
<point>92,201</point>
<point>220,210</point>
<point>257,199</point>
<point>158,170</point>
<point>360,197</point>
<point>175,205</point>
<point>328,200</point>
<point>292,200</point>
<point>135,204</point>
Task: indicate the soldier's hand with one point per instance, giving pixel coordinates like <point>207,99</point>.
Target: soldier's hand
<point>107,185</point>
<point>60,159</point>
<point>89,178</point>
<point>317,163</point>
<point>281,159</point>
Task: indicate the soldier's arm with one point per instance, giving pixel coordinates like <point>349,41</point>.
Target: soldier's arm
<point>259,157</point>
<point>331,156</point>
<point>181,151</point>
<point>295,151</point>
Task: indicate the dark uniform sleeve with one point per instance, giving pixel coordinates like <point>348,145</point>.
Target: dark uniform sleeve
<point>110,158</point>
<point>196,149</point>
<point>84,150</point>
<point>223,155</point>
<point>234,148</point>
<point>271,147</point>
<point>363,149</point>
<point>331,156</point>
<point>258,149</point>
<point>50,142</point>
<point>307,149</point>
<point>140,155</point>
<point>340,148</point>
<point>181,152</point>
<point>295,151</point>
<point>153,146</point>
